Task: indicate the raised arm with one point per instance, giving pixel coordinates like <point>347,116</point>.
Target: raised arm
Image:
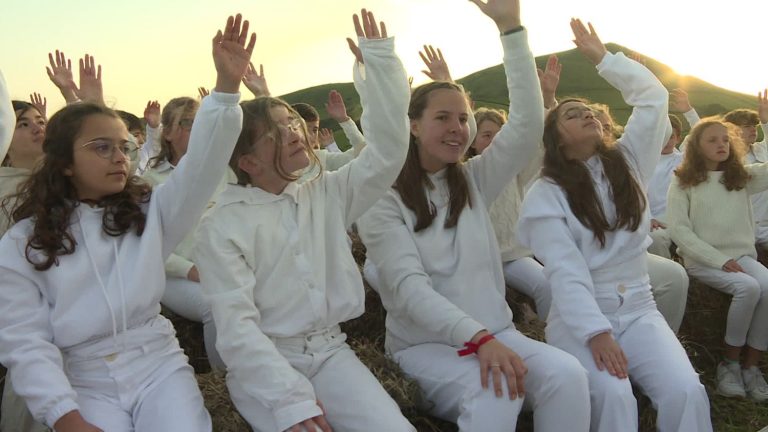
<point>519,139</point>
<point>91,87</point>
<point>437,67</point>
<point>337,109</point>
<point>183,197</point>
<point>255,81</point>
<point>60,74</point>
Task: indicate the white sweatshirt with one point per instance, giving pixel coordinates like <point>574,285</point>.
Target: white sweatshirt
<point>7,118</point>
<point>758,153</point>
<point>658,185</point>
<point>333,161</point>
<point>444,285</point>
<point>577,267</point>
<point>277,266</point>
<point>10,178</point>
<point>43,313</point>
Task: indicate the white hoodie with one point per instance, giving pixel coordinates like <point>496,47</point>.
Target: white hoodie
<point>109,284</point>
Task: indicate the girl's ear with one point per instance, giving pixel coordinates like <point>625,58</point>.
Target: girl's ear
<point>67,172</point>
<point>250,165</point>
<point>415,126</point>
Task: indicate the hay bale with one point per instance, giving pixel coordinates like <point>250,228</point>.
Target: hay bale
<point>224,415</point>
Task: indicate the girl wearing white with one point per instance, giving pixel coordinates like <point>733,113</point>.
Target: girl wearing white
<point>277,269</point>
<point>711,221</point>
<point>441,279</point>
<point>586,219</point>
<point>82,270</point>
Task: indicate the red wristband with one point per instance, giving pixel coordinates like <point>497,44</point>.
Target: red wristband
<point>472,347</point>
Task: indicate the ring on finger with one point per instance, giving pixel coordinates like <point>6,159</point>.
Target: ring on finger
<point>495,365</point>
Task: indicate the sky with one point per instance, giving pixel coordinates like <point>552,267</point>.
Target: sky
<point>160,49</point>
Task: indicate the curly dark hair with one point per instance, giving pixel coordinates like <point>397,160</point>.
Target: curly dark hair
<point>50,198</point>
<point>574,178</point>
<point>693,169</point>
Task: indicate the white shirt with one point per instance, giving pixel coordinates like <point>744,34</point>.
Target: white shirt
<point>45,312</point>
<point>757,153</point>
<point>280,266</point>
<point>444,285</point>
<point>578,268</point>
<point>658,185</point>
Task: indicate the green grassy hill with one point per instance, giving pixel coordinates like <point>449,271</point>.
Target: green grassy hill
<point>579,78</point>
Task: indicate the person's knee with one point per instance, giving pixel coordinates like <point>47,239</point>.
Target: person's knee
<point>681,390</point>
<point>747,290</point>
<point>611,391</point>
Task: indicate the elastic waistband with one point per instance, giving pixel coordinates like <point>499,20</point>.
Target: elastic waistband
<point>150,330</point>
<point>309,341</point>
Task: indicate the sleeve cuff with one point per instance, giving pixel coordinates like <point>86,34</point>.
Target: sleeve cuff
<point>464,330</point>
<point>225,98</point>
<point>296,413</point>
<point>58,411</point>
<point>515,43</point>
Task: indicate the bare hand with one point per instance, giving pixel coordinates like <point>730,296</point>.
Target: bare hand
<point>638,58</point>
<point>231,55</point>
<point>367,29</point>
<point>762,106</point>
<point>91,88</point>
<point>60,74</point>
<point>656,224</point>
<point>74,422</point>
<point>505,13</point>
<point>549,78</point>
<point>152,114</point>
<point>325,137</point>
<point>255,81</point>
<point>39,102</point>
<point>437,68</point>
<point>313,424</point>
<point>609,355</point>
<point>496,358</point>
<point>731,266</point>
<point>336,107</point>
<point>202,92</point>
<point>193,274</point>
<point>679,101</point>
<point>587,41</point>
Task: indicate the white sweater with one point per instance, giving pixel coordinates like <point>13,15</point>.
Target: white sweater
<point>758,153</point>
<point>711,225</point>
<point>578,268</point>
<point>658,185</point>
<point>7,118</point>
<point>277,266</point>
<point>43,313</point>
<point>444,285</point>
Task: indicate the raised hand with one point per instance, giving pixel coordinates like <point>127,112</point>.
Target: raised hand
<point>505,13</point>
<point>325,137</point>
<point>679,101</point>
<point>91,89</point>
<point>495,358</point>
<point>202,92</point>
<point>40,103</point>
<point>60,74</point>
<point>437,68</point>
<point>608,355</point>
<point>587,41</point>
<point>255,81</point>
<point>231,55</point>
<point>336,107</point>
<point>367,29</point>
<point>762,106</point>
<point>152,114</point>
<point>549,78</point>
<point>638,58</point>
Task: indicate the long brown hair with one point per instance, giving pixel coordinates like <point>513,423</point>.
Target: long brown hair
<point>258,123</point>
<point>173,111</point>
<point>574,178</point>
<point>50,198</point>
<point>693,169</point>
<point>413,181</point>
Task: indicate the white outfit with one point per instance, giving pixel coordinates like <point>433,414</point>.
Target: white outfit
<point>442,286</point>
<point>758,153</point>
<point>658,186</point>
<point>333,161</point>
<point>669,284</point>
<point>711,226</point>
<point>150,149</point>
<point>280,284</point>
<point>102,302</point>
<point>598,289</point>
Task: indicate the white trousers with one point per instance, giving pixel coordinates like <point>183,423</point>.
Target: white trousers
<point>662,243</point>
<point>669,284</point>
<point>658,364</point>
<point>148,386</point>
<point>185,297</point>
<point>526,275</point>
<point>15,417</point>
<point>556,387</point>
<point>748,314</point>
<point>352,397</point>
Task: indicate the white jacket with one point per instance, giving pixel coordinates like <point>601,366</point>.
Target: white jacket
<point>577,267</point>
<point>43,313</point>
<point>658,185</point>
<point>280,266</point>
<point>444,285</point>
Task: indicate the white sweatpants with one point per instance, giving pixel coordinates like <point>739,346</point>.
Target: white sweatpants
<point>185,297</point>
<point>352,397</point>
<point>527,276</point>
<point>148,386</point>
<point>556,387</point>
<point>658,364</point>
<point>748,314</point>
<point>662,243</point>
<point>15,416</point>
<point>669,284</point>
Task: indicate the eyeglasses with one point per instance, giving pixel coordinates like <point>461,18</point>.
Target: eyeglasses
<point>186,124</point>
<point>105,148</point>
<point>294,125</point>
